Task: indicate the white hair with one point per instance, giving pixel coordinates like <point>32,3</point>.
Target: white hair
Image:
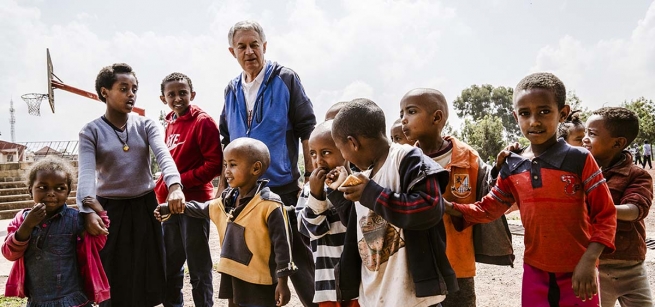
<point>245,25</point>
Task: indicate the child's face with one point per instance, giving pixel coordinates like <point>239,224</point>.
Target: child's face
<point>178,96</point>
<point>50,188</point>
<point>121,97</point>
<point>324,152</point>
<point>238,169</point>
<point>353,153</point>
<point>417,120</point>
<point>397,135</point>
<point>598,139</point>
<point>576,134</point>
<point>538,116</point>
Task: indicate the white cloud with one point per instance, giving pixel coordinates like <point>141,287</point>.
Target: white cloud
<point>609,71</point>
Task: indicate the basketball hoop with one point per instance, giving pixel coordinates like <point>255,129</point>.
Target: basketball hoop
<point>33,101</point>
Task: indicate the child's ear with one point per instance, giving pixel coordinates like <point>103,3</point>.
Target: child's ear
<point>353,142</point>
<point>564,113</point>
<point>257,168</point>
<point>437,116</point>
<point>103,92</point>
<point>163,99</point>
<point>193,96</point>
<point>620,142</point>
<point>515,117</point>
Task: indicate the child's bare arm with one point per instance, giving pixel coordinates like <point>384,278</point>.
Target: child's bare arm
<point>449,209</point>
<point>282,292</point>
<point>33,218</point>
<point>585,275</point>
<point>627,212</point>
<point>93,203</point>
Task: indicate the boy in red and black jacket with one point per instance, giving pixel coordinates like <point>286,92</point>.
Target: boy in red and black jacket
<point>623,273</point>
<point>193,138</point>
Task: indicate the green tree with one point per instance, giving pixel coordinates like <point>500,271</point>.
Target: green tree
<point>484,135</point>
<point>477,101</point>
<point>576,104</point>
<point>645,110</point>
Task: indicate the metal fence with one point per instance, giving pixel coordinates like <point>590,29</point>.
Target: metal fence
<point>33,151</point>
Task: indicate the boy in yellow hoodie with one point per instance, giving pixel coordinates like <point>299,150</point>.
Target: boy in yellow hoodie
<point>253,227</point>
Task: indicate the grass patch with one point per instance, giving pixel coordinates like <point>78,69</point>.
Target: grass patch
<point>12,301</point>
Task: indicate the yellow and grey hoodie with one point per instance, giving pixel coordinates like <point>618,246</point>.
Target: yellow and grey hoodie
<point>254,234</point>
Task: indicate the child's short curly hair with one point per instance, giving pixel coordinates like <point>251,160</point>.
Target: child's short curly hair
<point>360,117</point>
<point>572,121</point>
<point>176,76</point>
<point>50,164</point>
<point>107,76</point>
<point>620,122</point>
<point>546,81</point>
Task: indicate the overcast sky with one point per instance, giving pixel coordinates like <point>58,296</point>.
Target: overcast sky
<point>603,50</point>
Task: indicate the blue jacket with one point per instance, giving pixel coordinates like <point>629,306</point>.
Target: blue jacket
<point>282,114</point>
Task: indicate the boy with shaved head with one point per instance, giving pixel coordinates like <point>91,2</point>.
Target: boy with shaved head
<point>423,114</point>
<point>253,228</point>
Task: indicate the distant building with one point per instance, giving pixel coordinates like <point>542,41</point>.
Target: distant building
<point>12,152</point>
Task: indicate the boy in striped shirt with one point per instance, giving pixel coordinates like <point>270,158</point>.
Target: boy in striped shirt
<point>318,219</point>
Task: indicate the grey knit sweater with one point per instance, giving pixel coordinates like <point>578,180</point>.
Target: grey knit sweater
<point>106,170</point>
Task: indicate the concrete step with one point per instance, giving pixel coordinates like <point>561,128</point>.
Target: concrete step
<point>13,191</point>
<point>13,184</point>
<point>11,179</point>
<point>17,206</point>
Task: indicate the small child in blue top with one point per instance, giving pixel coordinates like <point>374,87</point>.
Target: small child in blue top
<point>44,241</point>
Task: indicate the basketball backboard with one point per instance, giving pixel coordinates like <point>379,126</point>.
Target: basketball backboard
<point>51,94</point>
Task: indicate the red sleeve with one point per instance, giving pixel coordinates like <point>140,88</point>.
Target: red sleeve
<point>209,140</point>
<point>490,207</point>
<point>639,193</point>
<point>602,213</point>
<point>96,284</point>
<point>13,249</point>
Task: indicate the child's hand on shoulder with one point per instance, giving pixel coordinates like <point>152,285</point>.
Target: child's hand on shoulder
<point>35,216</point>
<point>336,177</point>
<point>500,159</point>
<point>92,203</point>
<point>317,183</point>
<point>354,192</point>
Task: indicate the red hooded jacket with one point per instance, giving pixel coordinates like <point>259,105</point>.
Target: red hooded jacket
<point>194,142</point>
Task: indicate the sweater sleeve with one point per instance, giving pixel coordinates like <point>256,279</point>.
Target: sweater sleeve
<point>491,206</point>
<point>222,123</point>
<point>602,212</point>
<point>301,110</point>
<point>86,182</point>
<point>197,209</point>
<point>162,155</point>
<point>421,208</point>
<point>13,249</point>
<point>280,235</point>
<point>212,155</point>
<point>639,193</point>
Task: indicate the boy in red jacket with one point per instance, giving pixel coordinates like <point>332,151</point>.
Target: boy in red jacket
<point>193,139</point>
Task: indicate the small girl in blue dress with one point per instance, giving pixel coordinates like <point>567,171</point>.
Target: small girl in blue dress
<point>46,241</point>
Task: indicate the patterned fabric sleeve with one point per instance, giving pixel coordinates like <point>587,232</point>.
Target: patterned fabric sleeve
<point>602,212</point>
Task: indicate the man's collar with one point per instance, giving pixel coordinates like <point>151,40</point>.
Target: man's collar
<point>260,76</point>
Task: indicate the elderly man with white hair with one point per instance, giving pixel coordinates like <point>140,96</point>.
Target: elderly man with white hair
<point>266,101</point>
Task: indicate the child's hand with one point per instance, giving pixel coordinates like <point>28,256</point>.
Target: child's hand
<point>176,199</point>
<point>450,210</point>
<point>282,293</point>
<point>354,193</point>
<point>500,159</point>
<point>94,225</point>
<point>336,177</point>
<point>157,215</point>
<point>317,183</point>
<point>35,216</point>
<point>585,276</point>
<point>92,203</point>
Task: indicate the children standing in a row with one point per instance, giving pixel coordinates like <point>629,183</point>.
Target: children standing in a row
<point>565,204</point>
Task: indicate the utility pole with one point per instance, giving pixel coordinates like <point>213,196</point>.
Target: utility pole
<point>12,120</point>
